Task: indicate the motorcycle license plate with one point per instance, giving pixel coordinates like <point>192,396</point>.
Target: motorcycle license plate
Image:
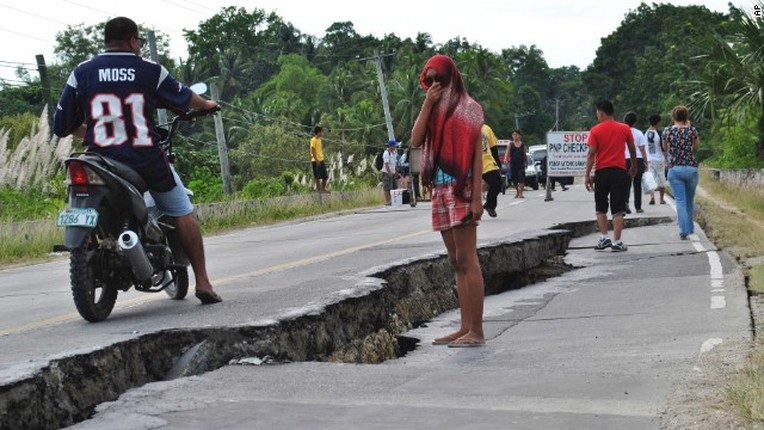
<point>77,217</point>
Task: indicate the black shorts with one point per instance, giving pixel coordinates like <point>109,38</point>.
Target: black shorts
<point>611,184</point>
<point>319,170</point>
<point>517,174</point>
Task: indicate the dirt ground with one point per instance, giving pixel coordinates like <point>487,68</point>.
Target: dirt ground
<point>700,401</point>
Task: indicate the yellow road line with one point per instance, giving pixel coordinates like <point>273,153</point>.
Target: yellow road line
<point>228,279</point>
<point>312,260</point>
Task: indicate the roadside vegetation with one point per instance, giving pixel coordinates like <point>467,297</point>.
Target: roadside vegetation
<point>733,218</point>
<point>276,83</point>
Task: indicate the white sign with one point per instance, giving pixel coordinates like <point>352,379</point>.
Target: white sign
<point>566,153</point>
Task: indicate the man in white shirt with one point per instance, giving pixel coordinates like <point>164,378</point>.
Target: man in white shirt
<point>389,173</point>
<point>656,156</point>
<point>642,162</point>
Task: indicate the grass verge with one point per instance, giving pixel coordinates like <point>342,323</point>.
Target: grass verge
<point>733,217</point>
<point>32,241</point>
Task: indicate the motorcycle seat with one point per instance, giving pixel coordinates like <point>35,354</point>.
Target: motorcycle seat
<point>126,172</point>
<point>118,168</point>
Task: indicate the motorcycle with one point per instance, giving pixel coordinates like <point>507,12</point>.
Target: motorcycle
<point>116,237</point>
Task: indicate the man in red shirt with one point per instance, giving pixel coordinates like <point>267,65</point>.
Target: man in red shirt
<point>610,179</point>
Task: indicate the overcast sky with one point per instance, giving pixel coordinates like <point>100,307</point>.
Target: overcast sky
<point>568,32</point>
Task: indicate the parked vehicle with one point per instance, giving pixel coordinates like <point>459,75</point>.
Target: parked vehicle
<point>116,237</point>
<point>539,153</point>
<point>532,173</point>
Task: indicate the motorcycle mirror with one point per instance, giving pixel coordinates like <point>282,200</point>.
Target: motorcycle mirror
<point>199,88</point>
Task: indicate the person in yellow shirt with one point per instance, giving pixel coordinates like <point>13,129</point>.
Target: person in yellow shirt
<point>317,159</point>
<point>491,172</point>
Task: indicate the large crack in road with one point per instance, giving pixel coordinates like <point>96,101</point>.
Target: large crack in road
<point>364,326</point>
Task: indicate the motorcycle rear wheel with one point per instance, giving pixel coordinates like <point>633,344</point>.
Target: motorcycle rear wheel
<point>93,298</point>
<point>178,289</point>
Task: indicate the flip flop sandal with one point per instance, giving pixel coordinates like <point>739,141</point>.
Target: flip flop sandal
<point>466,343</point>
<point>444,340</point>
<point>208,297</point>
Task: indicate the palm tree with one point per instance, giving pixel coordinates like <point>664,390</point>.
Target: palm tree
<point>233,73</point>
<point>733,78</point>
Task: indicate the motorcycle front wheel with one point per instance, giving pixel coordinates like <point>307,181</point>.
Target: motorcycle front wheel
<point>93,297</point>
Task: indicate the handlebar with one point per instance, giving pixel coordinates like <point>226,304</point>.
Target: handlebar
<point>194,113</point>
<point>191,115</point>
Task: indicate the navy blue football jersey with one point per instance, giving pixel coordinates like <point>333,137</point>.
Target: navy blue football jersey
<point>116,94</point>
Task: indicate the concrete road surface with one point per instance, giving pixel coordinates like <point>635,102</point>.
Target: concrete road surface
<point>603,346</point>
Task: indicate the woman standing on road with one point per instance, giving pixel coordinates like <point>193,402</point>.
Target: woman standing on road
<point>517,158</point>
<point>682,140</point>
<point>448,126</point>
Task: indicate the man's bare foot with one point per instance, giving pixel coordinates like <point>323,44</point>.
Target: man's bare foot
<point>208,297</point>
<point>206,294</point>
<point>445,340</point>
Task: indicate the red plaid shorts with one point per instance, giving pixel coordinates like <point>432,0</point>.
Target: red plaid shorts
<point>447,210</point>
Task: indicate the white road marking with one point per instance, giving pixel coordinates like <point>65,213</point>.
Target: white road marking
<point>716,272</point>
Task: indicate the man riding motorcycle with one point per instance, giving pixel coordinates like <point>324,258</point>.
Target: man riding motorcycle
<point>110,102</point>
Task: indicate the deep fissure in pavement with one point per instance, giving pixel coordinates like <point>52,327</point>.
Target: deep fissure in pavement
<point>367,326</point>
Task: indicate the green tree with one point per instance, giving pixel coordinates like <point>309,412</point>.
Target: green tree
<point>733,79</point>
<point>531,98</point>
<point>249,40</point>
<point>21,99</point>
<point>485,77</point>
<point>79,42</point>
<point>293,93</point>
<point>639,65</point>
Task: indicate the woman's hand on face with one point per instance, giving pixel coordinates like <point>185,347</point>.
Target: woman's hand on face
<point>434,93</point>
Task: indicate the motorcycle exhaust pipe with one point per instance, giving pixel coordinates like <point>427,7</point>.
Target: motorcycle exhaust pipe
<point>131,246</point>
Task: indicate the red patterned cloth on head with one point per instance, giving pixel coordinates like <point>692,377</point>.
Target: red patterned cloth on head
<point>453,127</point>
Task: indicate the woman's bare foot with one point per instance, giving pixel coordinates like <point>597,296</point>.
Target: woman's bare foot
<point>468,340</point>
<point>445,340</point>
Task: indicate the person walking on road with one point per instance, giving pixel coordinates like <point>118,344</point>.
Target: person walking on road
<point>656,157</point>
<point>491,171</point>
<point>682,139</point>
<point>516,158</point>
<point>389,169</point>
<point>607,141</point>
<point>448,126</point>
<point>640,144</point>
<point>317,159</point>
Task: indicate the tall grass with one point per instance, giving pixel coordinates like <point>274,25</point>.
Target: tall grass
<point>27,242</point>
<point>29,172</point>
<point>733,218</point>
<point>218,217</point>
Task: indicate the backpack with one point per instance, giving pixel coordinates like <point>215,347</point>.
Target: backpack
<point>379,161</point>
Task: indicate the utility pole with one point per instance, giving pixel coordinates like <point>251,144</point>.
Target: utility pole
<point>161,113</point>
<point>225,169</point>
<point>383,89</point>
<point>42,69</point>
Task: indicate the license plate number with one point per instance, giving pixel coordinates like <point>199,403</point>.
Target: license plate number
<point>77,217</point>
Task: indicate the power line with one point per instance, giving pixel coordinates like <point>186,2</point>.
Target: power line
<point>19,63</point>
<point>183,7</point>
<point>32,14</point>
<point>24,35</point>
<point>11,66</point>
<point>88,7</point>
<point>201,6</point>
